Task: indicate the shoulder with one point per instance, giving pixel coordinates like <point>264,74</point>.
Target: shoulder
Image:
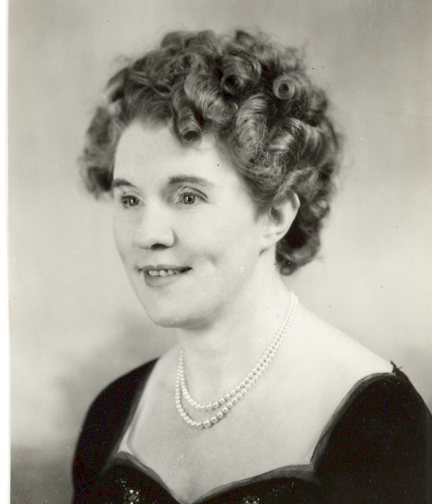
<point>383,409</point>
<point>379,442</point>
<point>330,365</point>
<point>103,423</point>
<point>114,401</point>
<point>338,361</point>
<point>120,392</point>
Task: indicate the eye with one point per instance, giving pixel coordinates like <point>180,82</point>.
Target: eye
<point>129,201</point>
<point>188,199</point>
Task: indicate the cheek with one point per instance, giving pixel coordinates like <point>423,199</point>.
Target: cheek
<point>122,237</point>
<point>232,246</point>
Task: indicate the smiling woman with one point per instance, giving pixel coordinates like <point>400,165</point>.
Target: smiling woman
<point>220,154</point>
<point>187,211</point>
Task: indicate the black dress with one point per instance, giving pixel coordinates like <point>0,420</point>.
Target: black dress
<point>377,448</point>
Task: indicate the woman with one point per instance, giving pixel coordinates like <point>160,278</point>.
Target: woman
<point>220,157</point>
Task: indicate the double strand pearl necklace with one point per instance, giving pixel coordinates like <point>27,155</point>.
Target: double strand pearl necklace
<point>226,402</point>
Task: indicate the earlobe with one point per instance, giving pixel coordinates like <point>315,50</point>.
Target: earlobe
<point>280,218</point>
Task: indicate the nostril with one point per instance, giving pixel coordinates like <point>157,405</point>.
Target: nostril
<point>158,246</point>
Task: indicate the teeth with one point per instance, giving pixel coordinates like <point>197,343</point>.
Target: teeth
<point>163,273</point>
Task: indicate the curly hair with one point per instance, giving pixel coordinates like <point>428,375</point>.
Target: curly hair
<point>257,102</point>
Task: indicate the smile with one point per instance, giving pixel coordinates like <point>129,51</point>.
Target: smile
<point>163,271</point>
<point>162,275</point>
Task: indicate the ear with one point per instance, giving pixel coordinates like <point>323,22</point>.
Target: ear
<point>278,220</point>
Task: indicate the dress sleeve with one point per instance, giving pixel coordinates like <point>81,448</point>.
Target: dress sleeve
<point>380,450</point>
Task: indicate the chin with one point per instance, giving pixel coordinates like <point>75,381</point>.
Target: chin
<point>167,321</point>
<point>168,318</point>
<point>172,318</point>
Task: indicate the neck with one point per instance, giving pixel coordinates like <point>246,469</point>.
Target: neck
<point>222,353</point>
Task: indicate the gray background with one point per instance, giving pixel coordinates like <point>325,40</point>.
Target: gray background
<point>75,323</point>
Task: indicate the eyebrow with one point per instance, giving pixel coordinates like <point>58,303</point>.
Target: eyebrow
<point>121,182</point>
<point>189,179</point>
<point>179,179</point>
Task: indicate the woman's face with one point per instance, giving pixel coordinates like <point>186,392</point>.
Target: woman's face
<point>185,226</point>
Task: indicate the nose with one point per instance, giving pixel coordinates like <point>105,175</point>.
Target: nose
<point>154,230</point>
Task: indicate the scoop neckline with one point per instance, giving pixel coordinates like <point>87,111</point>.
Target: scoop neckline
<point>292,470</point>
<point>283,471</point>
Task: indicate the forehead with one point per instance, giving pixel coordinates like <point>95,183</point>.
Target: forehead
<point>145,151</point>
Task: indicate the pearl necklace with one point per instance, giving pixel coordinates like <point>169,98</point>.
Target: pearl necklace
<point>226,402</point>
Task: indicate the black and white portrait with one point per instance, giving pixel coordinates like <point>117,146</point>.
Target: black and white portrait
<point>220,231</point>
